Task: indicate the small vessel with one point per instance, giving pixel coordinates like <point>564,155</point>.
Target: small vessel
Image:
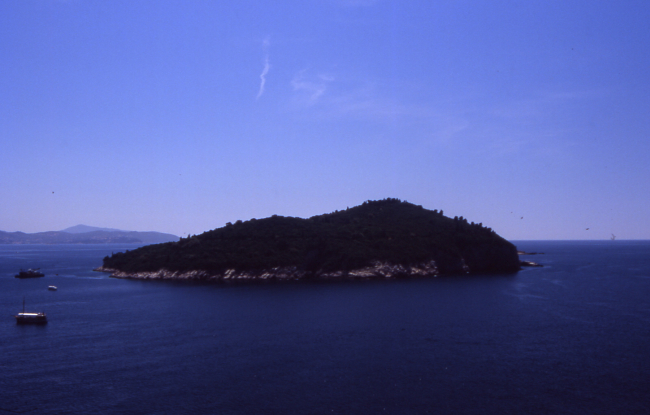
<point>52,288</point>
<point>30,273</point>
<point>30,318</point>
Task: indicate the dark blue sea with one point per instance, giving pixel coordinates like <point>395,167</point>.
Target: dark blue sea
<point>572,337</point>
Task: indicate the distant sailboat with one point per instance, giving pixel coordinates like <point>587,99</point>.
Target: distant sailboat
<point>613,238</point>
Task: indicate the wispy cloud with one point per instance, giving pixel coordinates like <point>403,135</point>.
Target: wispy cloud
<point>540,123</point>
<point>310,89</point>
<point>504,128</point>
<point>341,96</point>
<point>265,44</point>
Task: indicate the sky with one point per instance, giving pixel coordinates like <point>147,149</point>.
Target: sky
<point>531,117</point>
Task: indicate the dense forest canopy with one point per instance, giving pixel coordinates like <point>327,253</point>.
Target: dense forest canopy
<point>388,230</point>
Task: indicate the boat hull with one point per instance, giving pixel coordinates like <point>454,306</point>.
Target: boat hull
<point>30,273</point>
<point>31,318</point>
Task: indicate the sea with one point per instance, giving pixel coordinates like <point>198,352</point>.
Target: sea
<point>571,337</point>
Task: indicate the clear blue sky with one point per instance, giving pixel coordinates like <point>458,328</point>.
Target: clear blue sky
<point>180,116</point>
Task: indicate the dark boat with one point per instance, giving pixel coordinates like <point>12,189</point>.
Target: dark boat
<point>30,273</point>
<point>30,318</point>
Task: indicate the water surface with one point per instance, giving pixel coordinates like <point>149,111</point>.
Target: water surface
<point>569,338</point>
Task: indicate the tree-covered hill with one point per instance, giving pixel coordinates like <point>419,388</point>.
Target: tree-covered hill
<point>388,231</point>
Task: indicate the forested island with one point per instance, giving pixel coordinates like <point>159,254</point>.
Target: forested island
<point>386,238</point>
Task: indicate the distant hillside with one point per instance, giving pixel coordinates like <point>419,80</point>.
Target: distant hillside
<point>82,234</point>
<point>379,238</point>
<point>86,229</point>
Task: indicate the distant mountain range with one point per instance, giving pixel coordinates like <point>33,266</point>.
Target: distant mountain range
<point>86,229</point>
<point>82,234</point>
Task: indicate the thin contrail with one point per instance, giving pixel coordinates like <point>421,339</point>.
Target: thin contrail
<point>263,76</point>
<point>267,66</point>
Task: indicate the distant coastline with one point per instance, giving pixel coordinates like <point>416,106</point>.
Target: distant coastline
<point>82,234</point>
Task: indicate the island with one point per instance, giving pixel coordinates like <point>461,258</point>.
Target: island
<point>387,238</point>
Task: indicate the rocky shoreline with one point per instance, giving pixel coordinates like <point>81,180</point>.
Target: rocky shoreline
<point>379,270</point>
<point>529,263</point>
